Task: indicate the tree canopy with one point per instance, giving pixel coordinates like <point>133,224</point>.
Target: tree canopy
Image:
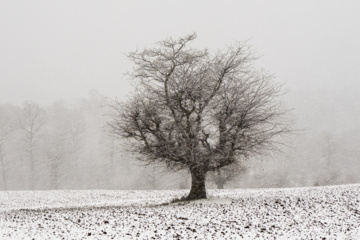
<point>198,109</point>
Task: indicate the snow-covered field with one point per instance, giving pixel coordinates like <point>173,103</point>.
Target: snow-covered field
<point>301,213</point>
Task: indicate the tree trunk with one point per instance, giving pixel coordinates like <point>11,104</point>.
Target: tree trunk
<point>197,190</point>
<point>219,185</point>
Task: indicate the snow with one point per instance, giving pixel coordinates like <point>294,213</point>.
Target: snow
<point>299,213</point>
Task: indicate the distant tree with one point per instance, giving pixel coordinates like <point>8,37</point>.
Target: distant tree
<point>199,110</point>
<point>56,146</point>
<point>77,131</point>
<point>30,122</point>
<point>224,175</point>
<point>328,149</point>
<point>6,128</point>
<point>55,154</point>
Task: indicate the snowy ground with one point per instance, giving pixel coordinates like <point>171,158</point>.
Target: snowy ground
<point>302,213</point>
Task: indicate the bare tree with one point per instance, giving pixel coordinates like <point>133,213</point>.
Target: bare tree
<point>6,128</point>
<point>55,154</point>
<point>328,149</point>
<point>198,110</point>
<point>55,147</point>
<point>224,175</point>
<point>30,122</point>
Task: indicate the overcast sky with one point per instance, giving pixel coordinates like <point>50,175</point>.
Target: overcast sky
<point>62,49</point>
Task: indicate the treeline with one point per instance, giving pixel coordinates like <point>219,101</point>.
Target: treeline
<point>324,149</point>
<point>68,147</point>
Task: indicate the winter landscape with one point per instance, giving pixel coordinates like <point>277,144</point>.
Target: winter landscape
<point>292,213</point>
<point>179,119</point>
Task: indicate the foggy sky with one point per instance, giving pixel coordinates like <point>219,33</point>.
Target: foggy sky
<point>53,50</point>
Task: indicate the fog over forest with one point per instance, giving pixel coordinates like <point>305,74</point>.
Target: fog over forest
<point>62,63</point>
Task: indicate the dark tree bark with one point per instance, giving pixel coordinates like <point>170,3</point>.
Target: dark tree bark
<point>198,190</point>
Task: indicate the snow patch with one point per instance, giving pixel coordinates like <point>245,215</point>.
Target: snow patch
<point>301,213</point>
